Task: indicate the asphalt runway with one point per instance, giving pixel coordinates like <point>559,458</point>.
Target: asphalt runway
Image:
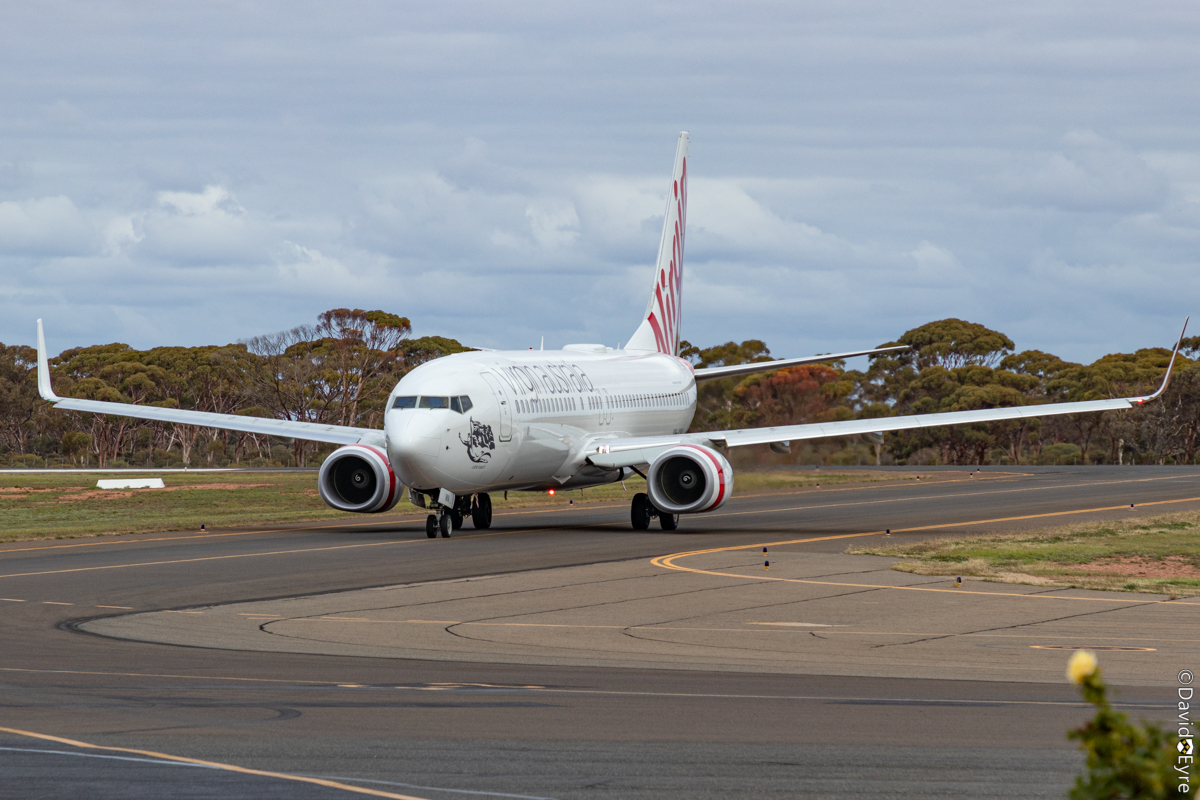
<point>90,715</point>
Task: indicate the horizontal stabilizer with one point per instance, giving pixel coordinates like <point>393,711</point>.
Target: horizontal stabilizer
<point>733,370</point>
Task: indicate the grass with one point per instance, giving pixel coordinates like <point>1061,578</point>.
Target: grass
<point>48,505</point>
<point>1158,554</point>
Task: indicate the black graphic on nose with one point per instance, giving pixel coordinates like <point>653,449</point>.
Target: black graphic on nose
<point>479,442</point>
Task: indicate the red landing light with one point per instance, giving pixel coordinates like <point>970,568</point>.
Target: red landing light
<point>551,491</point>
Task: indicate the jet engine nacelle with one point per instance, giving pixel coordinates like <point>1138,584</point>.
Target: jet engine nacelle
<point>358,477</point>
<point>689,479</point>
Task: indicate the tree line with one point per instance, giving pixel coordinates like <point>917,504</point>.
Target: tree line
<point>341,369</point>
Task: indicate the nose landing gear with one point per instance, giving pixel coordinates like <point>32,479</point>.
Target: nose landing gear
<point>448,519</point>
<point>439,523</point>
<point>642,511</point>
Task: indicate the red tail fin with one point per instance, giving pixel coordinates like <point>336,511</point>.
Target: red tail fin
<point>659,330</point>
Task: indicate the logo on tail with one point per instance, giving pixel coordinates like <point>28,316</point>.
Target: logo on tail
<point>659,330</point>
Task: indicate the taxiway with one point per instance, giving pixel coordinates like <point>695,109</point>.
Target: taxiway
<point>561,654</point>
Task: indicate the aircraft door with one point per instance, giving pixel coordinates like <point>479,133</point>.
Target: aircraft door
<point>505,405</point>
<point>605,408</point>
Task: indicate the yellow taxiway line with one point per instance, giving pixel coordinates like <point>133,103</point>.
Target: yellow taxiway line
<point>212,765</point>
<point>668,561</point>
<point>244,555</point>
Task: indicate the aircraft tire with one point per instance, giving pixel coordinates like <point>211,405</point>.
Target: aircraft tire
<point>431,529</point>
<point>481,512</point>
<point>445,526</point>
<point>456,519</point>
<point>640,512</point>
<point>668,522</point>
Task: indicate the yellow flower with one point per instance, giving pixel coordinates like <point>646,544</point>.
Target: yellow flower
<point>1081,665</point>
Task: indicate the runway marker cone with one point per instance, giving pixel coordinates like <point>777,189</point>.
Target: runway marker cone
<point>958,583</point>
<point>1131,505</point>
<point>202,527</point>
<point>888,532</point>
<point>766,565</point>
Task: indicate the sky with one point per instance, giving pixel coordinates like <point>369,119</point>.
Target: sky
<point>200,173</point>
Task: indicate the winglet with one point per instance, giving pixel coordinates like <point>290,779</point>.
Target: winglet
<point>1170,366</point>
<point>44,388</point>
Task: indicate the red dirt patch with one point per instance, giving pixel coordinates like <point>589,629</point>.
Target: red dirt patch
<point>224,486</point>
<point>1169,567</point>
<point>93,494</point>
<point>74,494</point>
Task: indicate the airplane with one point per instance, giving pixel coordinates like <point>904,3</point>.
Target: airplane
<point>465,425</point>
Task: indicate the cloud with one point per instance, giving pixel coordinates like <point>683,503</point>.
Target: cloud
<point>1091,173</point>
<point>554,222</point>
<point>500,174</point>
<point>47,226</point>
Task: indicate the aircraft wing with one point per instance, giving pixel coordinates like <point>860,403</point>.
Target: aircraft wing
<point>288,429</point>
<point>634,451</point>
<point>713,373</point>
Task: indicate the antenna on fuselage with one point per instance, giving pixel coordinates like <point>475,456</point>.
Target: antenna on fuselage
<point>543,347</point>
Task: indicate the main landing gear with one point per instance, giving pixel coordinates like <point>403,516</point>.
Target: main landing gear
<point>481,511</point>
<point>447,520</point>
<point>642,511</point>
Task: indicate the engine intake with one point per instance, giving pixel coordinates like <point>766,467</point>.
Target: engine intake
<point>359,478</point>
<point>689,479</point>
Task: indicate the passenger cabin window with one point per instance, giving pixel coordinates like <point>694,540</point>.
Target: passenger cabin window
<point>405,402</point>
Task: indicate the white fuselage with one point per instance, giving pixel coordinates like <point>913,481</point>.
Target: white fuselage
<point>532,415</point>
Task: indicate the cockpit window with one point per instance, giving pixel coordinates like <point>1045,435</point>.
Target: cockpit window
<point>435,402</point>
<point>467,405</point>
<point>405,402</point>
<point>455,404</point>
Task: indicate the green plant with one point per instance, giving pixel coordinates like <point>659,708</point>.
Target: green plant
<point>1124,760</point>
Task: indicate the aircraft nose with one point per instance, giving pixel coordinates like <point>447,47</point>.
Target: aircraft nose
<point>413,444</point>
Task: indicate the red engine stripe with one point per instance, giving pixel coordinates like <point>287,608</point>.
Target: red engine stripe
<point>391,473</point>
